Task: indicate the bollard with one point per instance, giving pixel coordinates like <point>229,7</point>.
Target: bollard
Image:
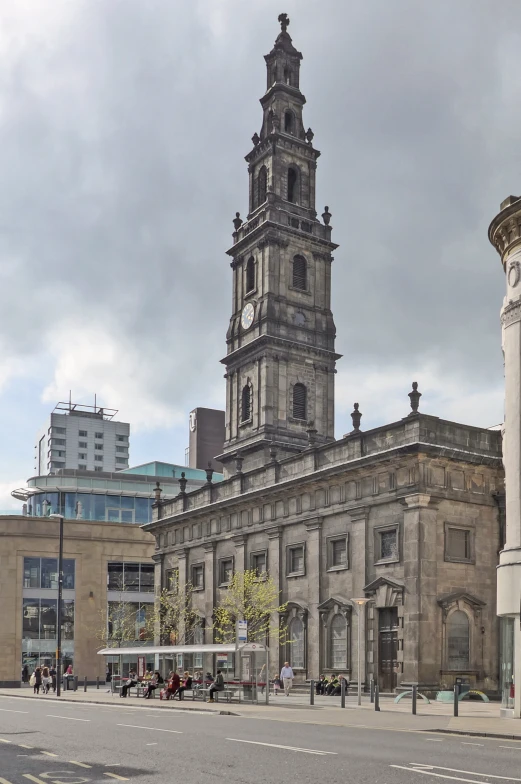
<point>414,698</point>
<point>97,681</point>
<point>376,698</point>
<point>343,693</point>
<point>372,690</point>
<point>85,684</point>
<point>456,694</point>
<point>75,683</point>
<point>312,692</point>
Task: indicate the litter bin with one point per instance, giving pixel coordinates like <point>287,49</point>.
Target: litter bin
<point>68,682</point>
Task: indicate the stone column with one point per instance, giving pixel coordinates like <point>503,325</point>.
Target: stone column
<point>240,552</point>
<point>182,556</point>
<point>421,616</point>
<point>275,572</point>
<point>358,553</point>
<point>313,550</point>
<point>505,234</point>
<point>209,589</point>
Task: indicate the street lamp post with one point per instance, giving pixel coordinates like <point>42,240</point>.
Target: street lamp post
<point>360,604</point>
<point>59,608</point>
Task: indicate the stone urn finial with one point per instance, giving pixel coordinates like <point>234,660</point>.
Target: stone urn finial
<point>356,416</point>
<point>182,484</point>
<point>414,397</point>
<point>157,492</point>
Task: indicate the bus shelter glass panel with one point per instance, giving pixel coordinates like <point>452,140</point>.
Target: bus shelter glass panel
<point>253,679</point>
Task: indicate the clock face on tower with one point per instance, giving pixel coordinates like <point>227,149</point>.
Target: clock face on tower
<point>248,313</point>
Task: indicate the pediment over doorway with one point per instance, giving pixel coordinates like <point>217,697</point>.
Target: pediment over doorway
<point>386,592</point>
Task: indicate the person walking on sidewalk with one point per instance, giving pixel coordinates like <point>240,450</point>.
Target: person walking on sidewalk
<point>286,676</point>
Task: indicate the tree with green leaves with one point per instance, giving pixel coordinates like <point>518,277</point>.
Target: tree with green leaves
<point>174,621</point>
<point>253,598</point>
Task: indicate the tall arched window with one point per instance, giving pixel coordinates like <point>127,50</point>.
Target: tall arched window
<point>287,75</point>
<point>288,121</point>
<point>338,643</point>
<point>458,641</point>
<point>292,184</point>
<point>296,636</point>
<point>250,274</point>
<point>246,403</point>
<point>299,277</point>
<point>299,401</point>
<point>262,185</point>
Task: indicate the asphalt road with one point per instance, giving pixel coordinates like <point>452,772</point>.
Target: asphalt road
<point>46,742</point>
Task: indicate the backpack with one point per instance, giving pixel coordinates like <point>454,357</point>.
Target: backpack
<point>32,680</point>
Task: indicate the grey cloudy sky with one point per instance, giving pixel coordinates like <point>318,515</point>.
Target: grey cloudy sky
<point>123,130</point>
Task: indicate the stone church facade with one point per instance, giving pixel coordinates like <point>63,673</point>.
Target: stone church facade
<point>407,516</point>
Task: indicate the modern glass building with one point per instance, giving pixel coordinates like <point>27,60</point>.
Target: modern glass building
<point>119,497</point>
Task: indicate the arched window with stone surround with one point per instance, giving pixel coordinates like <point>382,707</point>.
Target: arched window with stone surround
<point>458,641</point>
<point>246,402</point>
<point>296,637</point>
<point>292,193</point>
<point>299,407</point>
<point>262,185</point>
<point>250,274</point>
<point>299,277</point>
<point>338,642</point>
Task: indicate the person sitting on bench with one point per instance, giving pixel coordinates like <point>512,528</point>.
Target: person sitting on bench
<point>217,685</point>
<point>173,685</point>
<point>132,681</point>
<point>152,685</point>
<point>186,684</point>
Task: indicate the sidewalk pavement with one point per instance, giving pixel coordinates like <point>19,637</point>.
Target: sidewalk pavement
<point>475,718</point>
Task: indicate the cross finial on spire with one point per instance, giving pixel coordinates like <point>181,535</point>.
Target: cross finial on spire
<point>284,22</point>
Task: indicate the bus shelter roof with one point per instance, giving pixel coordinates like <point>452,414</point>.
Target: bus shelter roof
<point>168,650</point>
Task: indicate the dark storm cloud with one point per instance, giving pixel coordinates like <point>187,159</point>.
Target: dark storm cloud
<point>123,127</point>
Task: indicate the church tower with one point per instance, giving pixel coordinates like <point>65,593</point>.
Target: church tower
<point>280,362</point>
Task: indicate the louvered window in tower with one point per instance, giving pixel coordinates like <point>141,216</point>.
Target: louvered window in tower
<point>250,274</point>
<point>288,122</point>
<point>299,401</point>
<point>292,184</point>
<point>300,273</point>
<point>262,185</point>
<point>246,403</point>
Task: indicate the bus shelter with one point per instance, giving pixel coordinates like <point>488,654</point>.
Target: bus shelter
<point>245,666</point>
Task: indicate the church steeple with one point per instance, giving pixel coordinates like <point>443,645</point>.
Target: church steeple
<point>281,339</point>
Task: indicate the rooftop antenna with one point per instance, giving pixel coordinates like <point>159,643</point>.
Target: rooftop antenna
<point>70,399</point>
<point>95,409</point>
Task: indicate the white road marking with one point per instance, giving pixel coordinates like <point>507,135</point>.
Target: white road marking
<point>467,743</point>
<point>434,740</point>
<point>8,710</point>
<point>155,729</point>
<point>150,744</point>
<point>115,776</point>
<point>515,748</point>
<point>25,746</point>
<point>68,718</point>
<point>278,746</point>
<point>79,764</point>
<point>49,753</point>
<point>2,740</point>
<point>420,767</point>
